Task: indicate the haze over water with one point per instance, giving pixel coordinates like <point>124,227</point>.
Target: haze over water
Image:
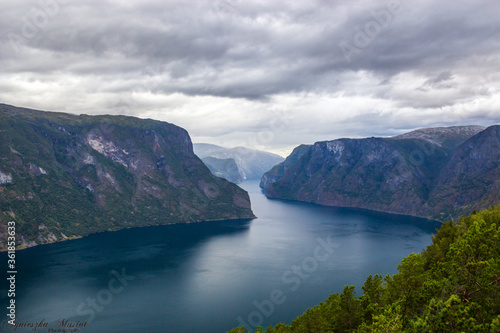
<point>202,277</point>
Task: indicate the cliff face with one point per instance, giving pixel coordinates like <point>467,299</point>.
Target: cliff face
<point>64,176</point>
<point>423,173</point>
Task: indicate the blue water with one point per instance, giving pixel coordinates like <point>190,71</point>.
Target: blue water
<point>212,276</point>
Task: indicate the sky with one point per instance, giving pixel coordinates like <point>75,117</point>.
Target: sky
<point>267,75</point>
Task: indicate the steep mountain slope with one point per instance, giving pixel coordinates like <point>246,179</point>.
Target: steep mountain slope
<point>471,179</point>
<point>365,173</point>
<point>278,170</point>
<point>413,174</point>
<point>64,176</point>
<point>251,163</point>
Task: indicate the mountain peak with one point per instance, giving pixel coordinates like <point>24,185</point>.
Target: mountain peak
<point>443,136</point>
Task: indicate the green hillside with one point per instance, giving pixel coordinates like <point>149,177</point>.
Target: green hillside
<point>65,176</point>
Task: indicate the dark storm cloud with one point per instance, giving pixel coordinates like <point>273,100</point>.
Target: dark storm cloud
<point>396,54</point>
<point>259,49</point>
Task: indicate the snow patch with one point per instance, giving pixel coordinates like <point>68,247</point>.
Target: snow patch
<point>112,181</point>
<point>89,159</point>
<point>102,146</point>
<point>36,170</point>
<point>134,164</point>
<point>107,148</point>
<point>119,160</point>
<point>62,129</point>
<point>5,178</point>
<point>337,147</point>
<point>14,151</point>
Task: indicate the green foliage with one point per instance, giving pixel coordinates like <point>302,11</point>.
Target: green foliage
<point>390,320</point>
<point>449,316</point>
<point>371,300</point>
<point>452,286</point>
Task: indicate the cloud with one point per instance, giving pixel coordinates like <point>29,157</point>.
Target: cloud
<point>224,69</point>
<point>442,81</point>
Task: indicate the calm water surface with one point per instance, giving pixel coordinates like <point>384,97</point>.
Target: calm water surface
<point>209,277</point>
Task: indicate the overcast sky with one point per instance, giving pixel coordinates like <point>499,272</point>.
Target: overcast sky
<point>264,74</point>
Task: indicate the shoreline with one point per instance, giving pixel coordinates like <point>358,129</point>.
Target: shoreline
<point>19,248</point>
<point>361,209</point>
<point>264,192</point>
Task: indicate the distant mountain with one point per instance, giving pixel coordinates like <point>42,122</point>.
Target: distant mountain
<point>437,173</point>
<point>251,163</point>
<point>64,176</point>
<point>225,168</point>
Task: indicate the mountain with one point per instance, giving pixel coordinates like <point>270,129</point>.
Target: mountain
<point>437,173</point>
<point>223,167</point>
<point>64,176</point>
<point>252,164</point>
<point>471,178</point>
<point>278,170</point>
<point>448,137</point>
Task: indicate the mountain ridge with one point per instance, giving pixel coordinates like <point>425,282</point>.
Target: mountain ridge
<point>251,163</point>
<point>64,176</point>
<point>395,175</point>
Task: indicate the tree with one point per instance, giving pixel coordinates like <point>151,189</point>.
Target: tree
<point>449,316</point>
<point>473,265</point>
<point>406,286</point>
<point>351,313</point>
<point>371,300</point>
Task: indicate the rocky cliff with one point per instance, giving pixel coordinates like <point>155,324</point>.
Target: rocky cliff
<point>438,173</point>
<point>64,176</point>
